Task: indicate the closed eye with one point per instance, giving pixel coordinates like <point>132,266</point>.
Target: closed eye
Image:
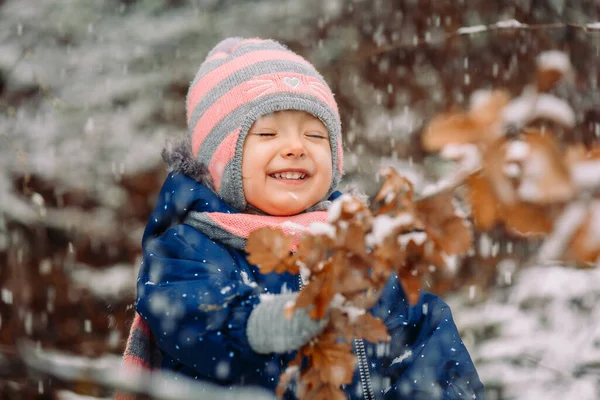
<point>317,136</point>
<point>264,134</point>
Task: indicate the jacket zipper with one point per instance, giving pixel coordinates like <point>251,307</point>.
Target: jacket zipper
<point>363,369</point>
<point>363,362</point>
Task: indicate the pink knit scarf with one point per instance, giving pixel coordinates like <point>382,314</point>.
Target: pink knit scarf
<point>233,229</point>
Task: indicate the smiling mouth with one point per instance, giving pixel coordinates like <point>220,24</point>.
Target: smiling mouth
<point>293,176</point>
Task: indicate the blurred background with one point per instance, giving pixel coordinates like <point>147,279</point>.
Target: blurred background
<point>90,91</point>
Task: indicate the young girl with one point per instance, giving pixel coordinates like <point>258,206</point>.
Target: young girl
<point>266,150</point>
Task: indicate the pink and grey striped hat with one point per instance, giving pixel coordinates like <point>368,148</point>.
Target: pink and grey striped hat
<point>240,81</point>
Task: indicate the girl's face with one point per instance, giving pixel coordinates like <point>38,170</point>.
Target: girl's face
<point>286,162</point>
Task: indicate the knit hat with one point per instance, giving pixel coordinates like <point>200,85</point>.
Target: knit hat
<point>240,81</point>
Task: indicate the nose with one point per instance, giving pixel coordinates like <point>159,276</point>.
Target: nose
<point>293,148</point>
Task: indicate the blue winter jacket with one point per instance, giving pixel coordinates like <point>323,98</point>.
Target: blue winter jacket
<point>196,295</point>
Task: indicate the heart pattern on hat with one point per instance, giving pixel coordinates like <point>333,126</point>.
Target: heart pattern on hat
<point>291,82</point>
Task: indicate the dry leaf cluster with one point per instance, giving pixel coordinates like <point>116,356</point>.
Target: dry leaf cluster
<point>346,264</point>
<point>520,176</point>
<point>515,175</point>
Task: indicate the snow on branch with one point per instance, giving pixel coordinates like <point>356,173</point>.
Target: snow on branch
<point>519,176</point>
<point>504,25</point>
<point>108,372</point>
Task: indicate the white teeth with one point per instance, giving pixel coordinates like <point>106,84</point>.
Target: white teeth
<point>290,175</point>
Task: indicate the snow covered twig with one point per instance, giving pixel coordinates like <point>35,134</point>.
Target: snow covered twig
<point>500,26</point>
<point>565,227</point>
<point>107,372</point>
<point>469,158</point>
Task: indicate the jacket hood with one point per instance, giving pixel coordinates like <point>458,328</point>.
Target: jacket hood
<point>179,195</point>
<point>177,155</point>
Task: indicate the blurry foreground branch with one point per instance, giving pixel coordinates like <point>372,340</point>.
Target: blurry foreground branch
<point>108,373</point>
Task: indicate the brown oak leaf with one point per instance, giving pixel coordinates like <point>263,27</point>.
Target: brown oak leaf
<point>269,249</point>
<point>483,202</point>
<point>313,250</point>
<point>451,232</point>
<point>411,285</point>
<point>519,217</point>
<point>352,238</point>
<point>526,219</point>
<point>479,125</point>
<point>319,292</point>
<point>370,328</point>
<point>334,361</point>
<point>352,283</point>
<point>395,194</point>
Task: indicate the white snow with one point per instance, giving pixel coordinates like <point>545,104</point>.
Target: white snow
<point>593,25</point>
<point>111,283</point>
<point>517,150</point>
<point>417,238</point>
<point>305,273</point>
<point>541,334</point>
<point>322,228</point>
<point>397,124</point>
<point>586,174</point>
<point>226,290</point>
<point>510,23</point>
<point>401,357</point>
<point>108,371</point>
<point>67,395</point>
<point>384,225</point>
<point>353,312</point>
<point>512,170</point>
<point>451,262</point>
<point>335,210</point>
<point>565,225</point>
<point>468,157</point>
<point>338,300</point>
<point>480,98</point>
<point>555,109</point>
<point>518,111</point>
<point>531,105</point>
<point>293,227</point>
<point>468,154</point>
<point>485,245</point>
<point>555,59</point>
<point>471,29</point>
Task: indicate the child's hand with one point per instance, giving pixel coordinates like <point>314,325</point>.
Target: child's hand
<point>270,330</point>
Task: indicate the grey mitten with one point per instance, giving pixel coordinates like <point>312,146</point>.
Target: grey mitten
<point>269,331</point>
